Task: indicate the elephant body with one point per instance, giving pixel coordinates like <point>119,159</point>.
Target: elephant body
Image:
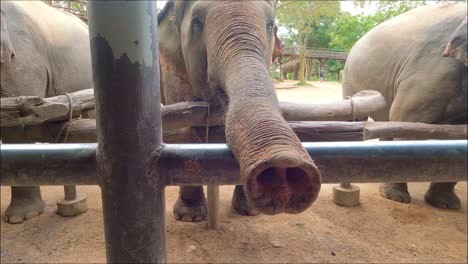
<point>44,52</point>
<point>402,58</point>
<point>219,52</point>
<point>291,66</point>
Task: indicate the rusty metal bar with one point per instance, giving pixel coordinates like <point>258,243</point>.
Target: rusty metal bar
<point>195,164</point>
<point>125,60</point>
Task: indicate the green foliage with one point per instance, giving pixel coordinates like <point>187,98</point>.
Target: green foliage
<point>78,6</point>
<point>322,24</point>
<point>302,19</point>
<point>334,66</point>
<point>349,29</point>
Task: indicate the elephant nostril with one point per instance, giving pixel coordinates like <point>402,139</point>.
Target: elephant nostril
<point>297,179</point>
<point>267,180</point>
<point>284,189</point>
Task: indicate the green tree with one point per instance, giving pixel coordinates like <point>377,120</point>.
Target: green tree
<point>299,18</point>
<point>349,29</point>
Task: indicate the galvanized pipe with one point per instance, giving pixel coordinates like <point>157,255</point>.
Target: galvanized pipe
<point>196,164</point>
<point>125,60</point>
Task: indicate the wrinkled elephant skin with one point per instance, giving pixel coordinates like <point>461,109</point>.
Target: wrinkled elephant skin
<point>403,59</point>
<point>219,52</point>
<point>39,58</point>
<point>456,48</point>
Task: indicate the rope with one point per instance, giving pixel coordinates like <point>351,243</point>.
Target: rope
<point>66,126</point>
<point>353,109</point>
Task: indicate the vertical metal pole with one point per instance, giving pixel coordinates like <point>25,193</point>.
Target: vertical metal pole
<point>125,58</point>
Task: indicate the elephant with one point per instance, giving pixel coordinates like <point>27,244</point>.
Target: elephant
<point>290,66</point>
<point>402,58</point>
<point>456,48</point>
<point>44,52</point>
<point>219,52</point>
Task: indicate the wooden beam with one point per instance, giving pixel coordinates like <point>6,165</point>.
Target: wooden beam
<point>30,110</point>
<point>408,130</point>
<point>84,131</point>
<point>358,107</point>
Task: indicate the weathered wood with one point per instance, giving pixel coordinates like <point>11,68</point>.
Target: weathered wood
<point>34,110</point>
<point>188,114</point>
<point>31,110</point>
<point>360,106</point>
<point>84,131</point>
<point>213,206</point>
<point>408,130</point>
<point>317,131</point>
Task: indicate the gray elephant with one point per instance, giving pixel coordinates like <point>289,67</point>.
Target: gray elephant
<point>457,47</point>
<point>403,59</point>
<point>291,66</point>
<point>44,52</point>
<point>219,52</point>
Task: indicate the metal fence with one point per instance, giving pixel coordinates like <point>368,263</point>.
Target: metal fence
<point>133,166</point>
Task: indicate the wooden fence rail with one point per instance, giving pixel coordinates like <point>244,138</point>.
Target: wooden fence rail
<point>44,118</point>
<point>32,110</point>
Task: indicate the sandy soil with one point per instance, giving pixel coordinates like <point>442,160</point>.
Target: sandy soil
<point>377,231</point>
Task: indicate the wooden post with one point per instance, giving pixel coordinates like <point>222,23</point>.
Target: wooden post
<point>213,206</point>
<point>125,60</point>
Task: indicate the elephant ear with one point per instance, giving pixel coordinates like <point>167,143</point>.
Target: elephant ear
<point>278,48</point>
<point>7,51</point>
<point>174,12</point>
<point>456,48</point>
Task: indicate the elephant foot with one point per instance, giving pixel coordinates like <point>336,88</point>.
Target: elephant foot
<point>240,204</point>
<point>26,203</point>
<point>190,210</point>
<point>442,195</point>
<point>397,192</point>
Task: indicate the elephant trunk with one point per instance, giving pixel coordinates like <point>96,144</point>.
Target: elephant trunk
<point>277,173</point>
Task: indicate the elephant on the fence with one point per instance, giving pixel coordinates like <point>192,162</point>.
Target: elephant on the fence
<point>291,66</point>
<point>44,52</point>
<point>403,59</point>
<point>219,52</point>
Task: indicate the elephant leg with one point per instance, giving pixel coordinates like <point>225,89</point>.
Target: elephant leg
<point>240,204</point>
<point>26,203</point>
<point>191,204</point>
<point>397,192</point>
<point>442,195</point>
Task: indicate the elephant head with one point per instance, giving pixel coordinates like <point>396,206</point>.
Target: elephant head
<point>456,47</point>
<point>7,52</point>
<point>224,49</point>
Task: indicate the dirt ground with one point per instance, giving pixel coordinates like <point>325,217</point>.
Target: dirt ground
<point>377,231</point>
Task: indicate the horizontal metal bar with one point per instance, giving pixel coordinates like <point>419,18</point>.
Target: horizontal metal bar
<point>195,164</point>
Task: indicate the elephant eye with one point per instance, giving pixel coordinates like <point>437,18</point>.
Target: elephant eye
<point>197,24</point>
<point>270,25</point>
